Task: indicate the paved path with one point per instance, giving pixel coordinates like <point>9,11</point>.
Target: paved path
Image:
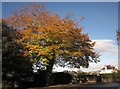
<point>84,86</point>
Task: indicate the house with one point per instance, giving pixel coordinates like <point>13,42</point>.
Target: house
<point>107,69</point>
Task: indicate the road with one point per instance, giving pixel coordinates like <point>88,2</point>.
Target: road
<point>84,86</point>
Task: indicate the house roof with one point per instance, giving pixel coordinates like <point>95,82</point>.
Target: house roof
<point>109,67</point>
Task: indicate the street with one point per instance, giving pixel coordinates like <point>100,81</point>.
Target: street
<point>84,86</point>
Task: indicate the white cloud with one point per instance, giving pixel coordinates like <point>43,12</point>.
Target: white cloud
<point>106,47</point>
<point>61,69</point>
<point>92,67</point>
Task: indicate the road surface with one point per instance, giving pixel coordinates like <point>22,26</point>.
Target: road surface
<point>84,86</point>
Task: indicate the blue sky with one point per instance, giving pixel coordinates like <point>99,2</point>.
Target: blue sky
<point>101,23</point>
<point>101,19</point>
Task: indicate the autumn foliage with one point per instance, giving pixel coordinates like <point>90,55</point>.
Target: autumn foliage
<point>50,39</point>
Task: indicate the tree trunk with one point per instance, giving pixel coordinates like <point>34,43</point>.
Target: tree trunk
<point>49,72</point>
<point>49,69</point>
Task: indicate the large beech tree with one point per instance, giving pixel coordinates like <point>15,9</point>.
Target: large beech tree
<point>49,39</point>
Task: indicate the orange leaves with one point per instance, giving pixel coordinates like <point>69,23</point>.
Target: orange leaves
<point>39,50</point>
<point>35,48</point>
<point>78,54</point>
<point>67,52</point>
<point>63,52</point>
<point>44,33</point>
<point>41,53</point>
